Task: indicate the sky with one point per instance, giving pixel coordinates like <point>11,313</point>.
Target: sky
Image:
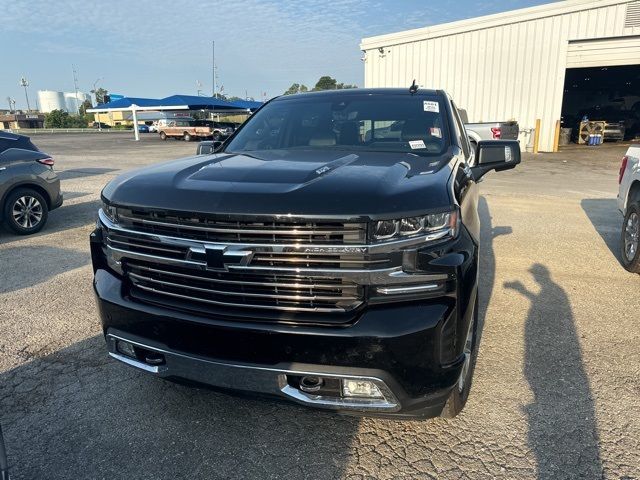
<point>160,48</point>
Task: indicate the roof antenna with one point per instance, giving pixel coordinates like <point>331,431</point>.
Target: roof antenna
<point>413,88</point>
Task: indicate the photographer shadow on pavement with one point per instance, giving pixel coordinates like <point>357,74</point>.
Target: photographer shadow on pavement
<point>562,423</point>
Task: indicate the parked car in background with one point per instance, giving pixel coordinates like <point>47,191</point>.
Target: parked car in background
<point>143,128</point>
<point>29,188</point>
<point>98,125</point>
<point>185,129</point>
<point>153,128</point>
<point>629,205</point>
<point>220,130</point>
<point>305,258</point>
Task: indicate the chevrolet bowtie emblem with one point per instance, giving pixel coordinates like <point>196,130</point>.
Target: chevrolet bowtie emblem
<point>219,257</point>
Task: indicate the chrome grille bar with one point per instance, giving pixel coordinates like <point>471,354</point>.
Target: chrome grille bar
<point>230,304</point>
<point>316,284</point>
<point>298,297</point>
<point>276,230</point>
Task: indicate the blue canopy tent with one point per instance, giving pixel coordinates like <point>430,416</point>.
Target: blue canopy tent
<point>247,104</point>
<point>125,104</point>
<point>192,102</point>
<point>174,102</point>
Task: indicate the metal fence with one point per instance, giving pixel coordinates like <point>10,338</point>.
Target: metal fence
<point>35,131</point>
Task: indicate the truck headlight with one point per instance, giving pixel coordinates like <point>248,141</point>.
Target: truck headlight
<point>110,211</point>
<point>434,226</point>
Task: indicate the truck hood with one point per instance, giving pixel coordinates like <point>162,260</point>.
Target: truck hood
<point>296,182</point>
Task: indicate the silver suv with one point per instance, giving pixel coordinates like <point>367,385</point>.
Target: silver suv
<point>629,205</point>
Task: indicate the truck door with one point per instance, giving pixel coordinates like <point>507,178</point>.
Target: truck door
<point>465,188</point>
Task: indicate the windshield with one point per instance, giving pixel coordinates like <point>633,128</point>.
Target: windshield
<point>382,123</point>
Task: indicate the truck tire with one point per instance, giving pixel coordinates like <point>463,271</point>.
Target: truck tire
<point>216,136</point>
<point>163,136</point>
<point>186,136</point>
<point>460,393</point>
<point>630,238</point>
<point>25,211</point>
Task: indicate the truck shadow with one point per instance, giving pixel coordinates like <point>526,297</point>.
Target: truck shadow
<point>36,264</point>
<point>96,418</point>
<point>84,172</point>
<point>606,220</point>
<point>488,233</point>
<point>561,417</point>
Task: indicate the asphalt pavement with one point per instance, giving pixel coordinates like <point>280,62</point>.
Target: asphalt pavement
<point>556,392</point>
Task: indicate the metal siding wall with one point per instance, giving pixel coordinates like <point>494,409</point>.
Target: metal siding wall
<point>512,71</point>
<point>618,51</point>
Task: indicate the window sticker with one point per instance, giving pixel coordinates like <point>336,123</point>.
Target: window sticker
<point>431,106</point>
<point>416,144</point>
<point>435,132</point>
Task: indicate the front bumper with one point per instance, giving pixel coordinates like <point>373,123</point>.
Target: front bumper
<point>411,350</point>
<point>397,346</point>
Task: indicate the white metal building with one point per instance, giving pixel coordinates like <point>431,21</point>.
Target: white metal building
<point>513,65</point>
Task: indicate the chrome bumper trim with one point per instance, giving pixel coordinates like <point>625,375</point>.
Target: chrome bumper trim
<point>252,378</point>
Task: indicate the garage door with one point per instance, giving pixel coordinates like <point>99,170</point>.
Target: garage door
<point>606,52</point>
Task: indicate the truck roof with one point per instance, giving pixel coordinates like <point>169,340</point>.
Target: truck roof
<point>361,91</point>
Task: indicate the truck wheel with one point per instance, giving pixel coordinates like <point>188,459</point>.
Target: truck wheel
<point>631,238</point>
<point>216,136</point>
<point>186,137</point>
<point>163,136</point>
<point>25,211</point>
<point>460,393</point>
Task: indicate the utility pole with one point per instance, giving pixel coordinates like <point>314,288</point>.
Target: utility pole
<point>25,83</point>
<point>75,86</point>
<point>94,91</point>
<point>213,66</point>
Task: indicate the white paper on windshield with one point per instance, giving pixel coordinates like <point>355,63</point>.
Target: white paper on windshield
<point>431,106</point>
<point>436,132</point>
<point>416,144</point>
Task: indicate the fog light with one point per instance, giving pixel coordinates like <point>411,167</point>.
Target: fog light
<point>360,388</point>
<point>126,348</point>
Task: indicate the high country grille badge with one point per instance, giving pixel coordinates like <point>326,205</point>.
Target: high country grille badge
<point>335,250</point>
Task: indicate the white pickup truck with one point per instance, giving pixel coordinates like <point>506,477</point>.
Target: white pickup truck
<point>629,205</point>
<point>476,132</point>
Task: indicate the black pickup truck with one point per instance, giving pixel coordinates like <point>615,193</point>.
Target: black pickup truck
<point>308,257</point>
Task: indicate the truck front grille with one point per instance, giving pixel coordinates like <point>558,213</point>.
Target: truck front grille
<point>164,259</point>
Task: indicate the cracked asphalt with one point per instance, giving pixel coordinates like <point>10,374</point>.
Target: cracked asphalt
<point>556,392</point>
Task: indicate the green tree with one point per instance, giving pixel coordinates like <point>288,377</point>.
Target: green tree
<point>100,93</point>
<point>62,119</point>
<point>326,83</point>
<point>296,88</point>
<point>56,119</point>
<point>85,105</point>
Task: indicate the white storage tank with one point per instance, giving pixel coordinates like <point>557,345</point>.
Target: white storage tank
<point>73,102</point>
<point>50,100</point>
